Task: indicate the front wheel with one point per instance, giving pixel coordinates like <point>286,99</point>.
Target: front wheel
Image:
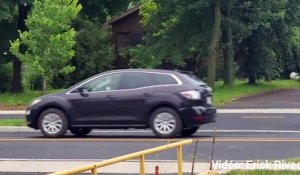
<point>53,123</point>
<point>189,131</point>
<point>165,122</point>
<point>80,131</point>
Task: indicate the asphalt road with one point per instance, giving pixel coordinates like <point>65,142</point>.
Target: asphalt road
<point>99,145</point>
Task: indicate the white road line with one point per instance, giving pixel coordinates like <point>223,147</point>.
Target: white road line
<point>21,112</point>
<point>202,131</point>
<point>259,111</point>
<point>263,117</point>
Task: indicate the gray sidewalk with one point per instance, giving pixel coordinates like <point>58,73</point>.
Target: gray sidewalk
<point>129,167</point>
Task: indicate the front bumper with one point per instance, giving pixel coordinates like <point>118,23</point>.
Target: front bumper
<point>31,117</point>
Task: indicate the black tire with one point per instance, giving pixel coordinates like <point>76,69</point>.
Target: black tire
<point>53,130</point>
<point>173,125</point>
<point>189,131</point>
<point>80,131</point>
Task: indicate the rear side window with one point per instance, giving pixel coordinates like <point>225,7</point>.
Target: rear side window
<point>163,79</point>
<point>193,79</point>
<point>132,80</point>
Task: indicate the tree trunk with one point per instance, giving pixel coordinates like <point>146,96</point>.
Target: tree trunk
<point>17,64</point>
<point>229,53</point>
<point>252,76</point>
<point>213,45</point>
<point>16,82</point>
<point>44,87</point>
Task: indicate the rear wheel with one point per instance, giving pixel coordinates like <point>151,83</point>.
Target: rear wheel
<point>80,131</point>
<point>165,122</point>
<point>53,123</point>
<point>189,131</point>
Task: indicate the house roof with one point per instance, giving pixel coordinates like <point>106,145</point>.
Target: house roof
<point>129,12</point>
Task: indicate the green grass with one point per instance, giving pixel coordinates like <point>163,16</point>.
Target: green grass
<point>294,160</point>
<point>12,122</point>
<point>223,95</point>
<point>23,98</point>
<point>263,172</point>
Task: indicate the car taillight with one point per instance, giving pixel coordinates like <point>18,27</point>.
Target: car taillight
<point>193,95</point>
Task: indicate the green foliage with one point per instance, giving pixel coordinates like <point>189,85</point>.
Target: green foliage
<point>7,10</point>
<point>24,98</point>
<point>103,10</point>
<point>93,51</point>
<point>49,40</point>
<point>31,79</point>
<point>12,122</point>
<point>264,50</point>
<point>176,32</point>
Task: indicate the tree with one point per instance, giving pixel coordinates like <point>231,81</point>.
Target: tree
<point>12,18</point>
<point>93,52</point>
<point>179,32</point>
<point>93,48</point>
<point>228,48</point>
<point>256,50</point>
<point>213,46</point>
<point>49,40</point>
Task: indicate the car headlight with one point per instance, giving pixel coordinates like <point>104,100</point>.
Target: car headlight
<point>35,102</point>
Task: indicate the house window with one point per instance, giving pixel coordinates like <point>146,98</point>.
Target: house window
<point>130,39</point>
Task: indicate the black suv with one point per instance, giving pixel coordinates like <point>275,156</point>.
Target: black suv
<point>171,103</point>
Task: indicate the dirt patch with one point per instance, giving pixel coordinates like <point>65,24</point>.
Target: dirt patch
<point>12,107</point>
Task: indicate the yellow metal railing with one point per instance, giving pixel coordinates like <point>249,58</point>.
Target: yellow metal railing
<point>140,154</point>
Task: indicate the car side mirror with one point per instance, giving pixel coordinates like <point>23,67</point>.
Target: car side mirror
<point>83,92</point>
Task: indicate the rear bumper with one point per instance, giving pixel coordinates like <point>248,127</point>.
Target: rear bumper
<point>198,115</point>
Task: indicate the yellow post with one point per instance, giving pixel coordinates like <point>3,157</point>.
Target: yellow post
<point>94,171</point>
<point>142,165</point>
<point>179,157</point>
<point>140,154</point>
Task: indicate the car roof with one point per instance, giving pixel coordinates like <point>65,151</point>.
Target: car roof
<point>143,70</point>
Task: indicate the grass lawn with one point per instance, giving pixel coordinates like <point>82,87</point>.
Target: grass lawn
<point>263,172</point>
<point>12,122</point>
<point>23,98</point>
<point>223,95</point>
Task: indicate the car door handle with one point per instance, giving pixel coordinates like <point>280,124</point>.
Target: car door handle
<point>109,97</point>
<point>147,95</point>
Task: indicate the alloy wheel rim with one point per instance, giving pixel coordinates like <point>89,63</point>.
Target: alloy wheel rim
<point>165,123</point>
<point>52,123</point>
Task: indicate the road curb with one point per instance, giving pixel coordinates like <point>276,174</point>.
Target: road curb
<point>27,129</point>
<point>14,112</point>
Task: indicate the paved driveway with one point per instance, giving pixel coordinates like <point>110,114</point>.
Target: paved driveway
<point>276,99</point>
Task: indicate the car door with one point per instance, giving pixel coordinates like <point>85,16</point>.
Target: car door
<point>93,107</point>
<point>130,100</point>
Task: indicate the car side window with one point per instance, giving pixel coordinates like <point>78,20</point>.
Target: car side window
<point>104,83</point>
<point>163,79</point>
<point>132,80</point>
